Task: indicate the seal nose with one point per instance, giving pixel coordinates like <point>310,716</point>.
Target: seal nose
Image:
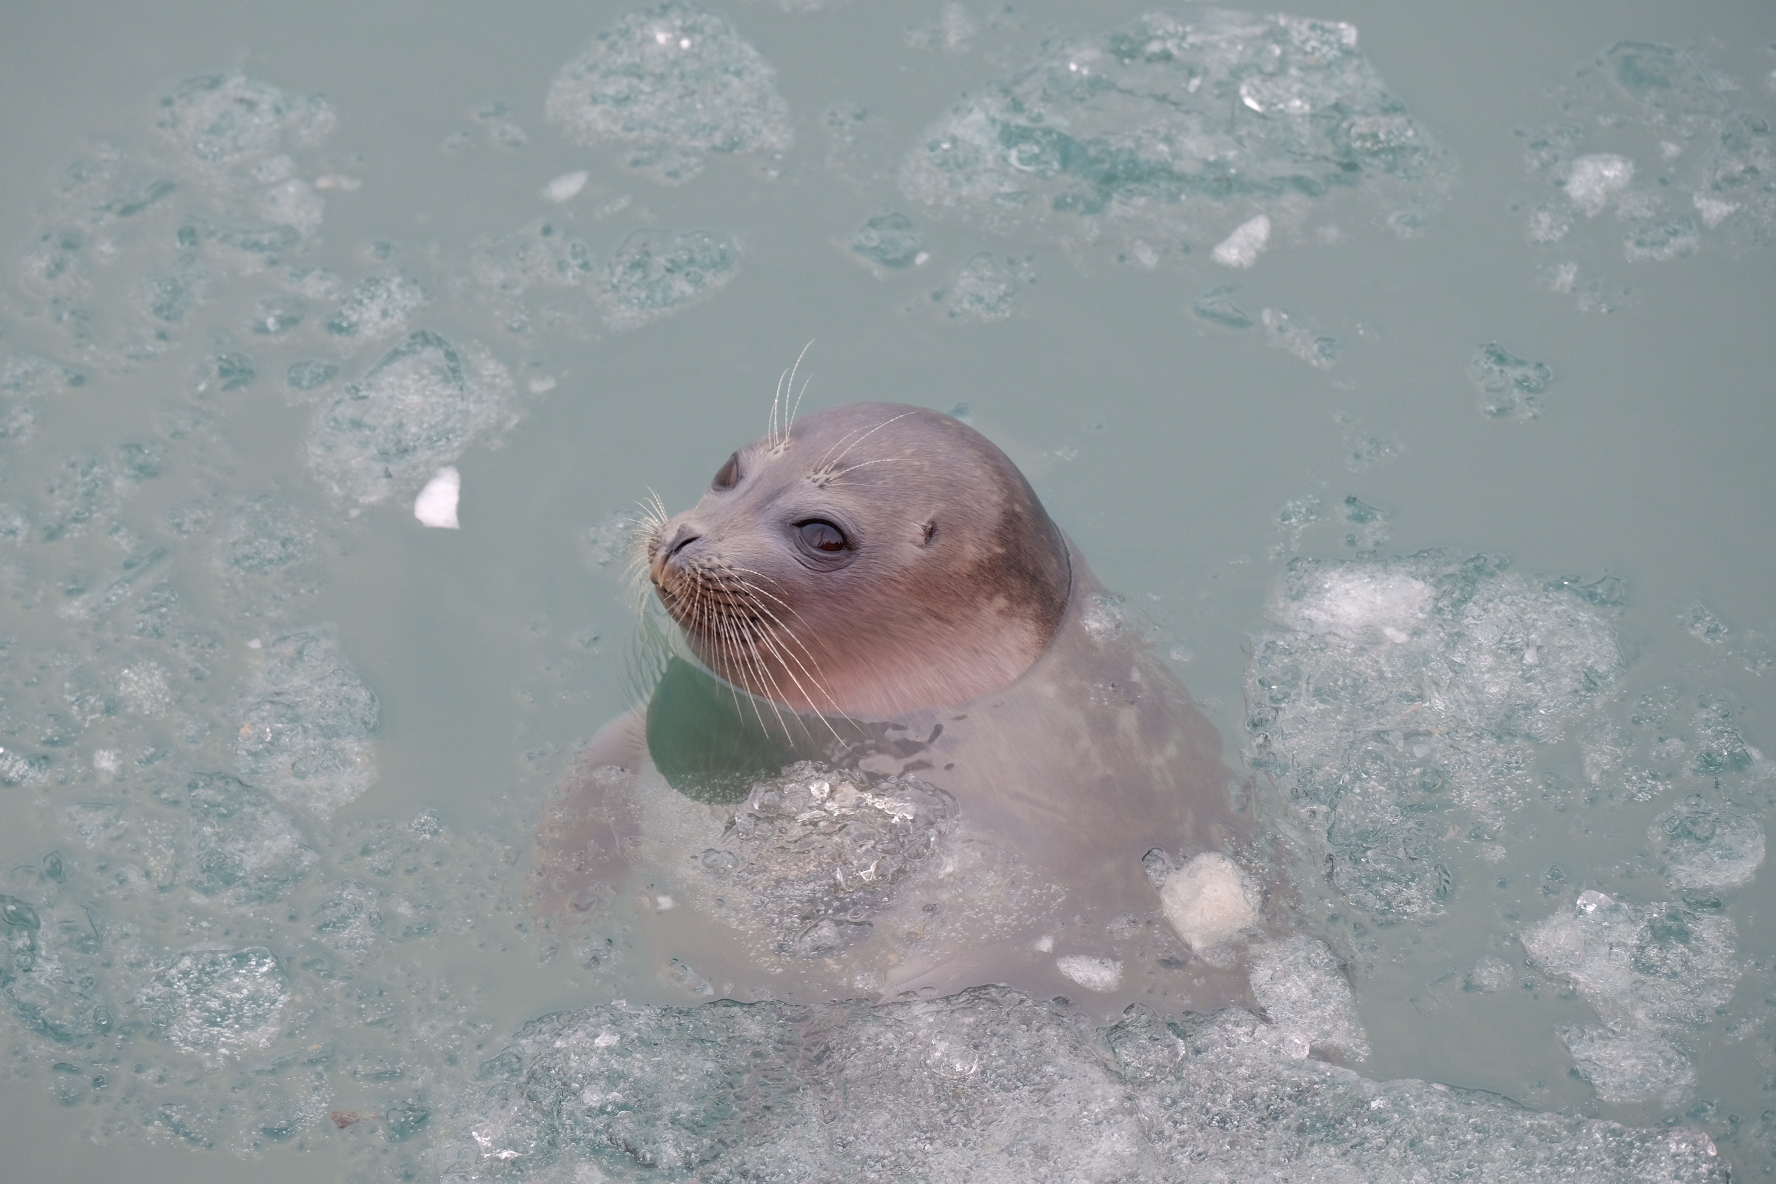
<point>683,537</point>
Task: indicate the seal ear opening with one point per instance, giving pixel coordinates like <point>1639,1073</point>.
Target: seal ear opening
<point>927,532</point>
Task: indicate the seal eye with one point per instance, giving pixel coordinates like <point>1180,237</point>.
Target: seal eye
<point>729,474</point>
<point>820,535</point>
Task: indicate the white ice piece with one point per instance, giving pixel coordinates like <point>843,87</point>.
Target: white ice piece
<point>1209,900</point>
<point>1094,974</point>
<point>1245,244</point>
<point>1593,180</point>
<point>436,503</point>
<point>566,185</point>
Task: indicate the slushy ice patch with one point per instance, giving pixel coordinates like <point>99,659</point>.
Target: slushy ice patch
<point>1397,701</point>
<point>307,726</point>
<point>673,83</point>
<point>1188,127</point>
<point>657,272</point>
<point>1653,974</point>
<point>990,1085</point>
<point>1655,153</point>
<point>413,412</point>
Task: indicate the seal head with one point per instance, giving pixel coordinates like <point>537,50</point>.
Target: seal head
<point>874,559</point>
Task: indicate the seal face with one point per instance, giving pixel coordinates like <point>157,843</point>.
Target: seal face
<point>949,710</point>
<point>874,559</point>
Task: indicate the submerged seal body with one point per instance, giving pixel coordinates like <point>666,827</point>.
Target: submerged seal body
<point>878,590</point>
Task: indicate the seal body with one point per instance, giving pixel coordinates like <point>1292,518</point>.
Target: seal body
<point>879,592</point>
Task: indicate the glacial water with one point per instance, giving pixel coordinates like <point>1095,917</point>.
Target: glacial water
<point>1403,368</point>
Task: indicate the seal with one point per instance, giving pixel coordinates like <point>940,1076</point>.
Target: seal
<point>877,589</point>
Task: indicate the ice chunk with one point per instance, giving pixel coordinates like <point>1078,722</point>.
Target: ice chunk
<point>1709,134</point>
<point>1245,244</point>
<point>217,1001</point>
<point>1705,847</point>
<point>990,1085</point>
<point>1185,126</point>
<point>307,725</point>
<point>1591,181</point>
<point>566,186</point>
<point>888,239</point>
<point>1631,1067</point>
<point>436,504</point>
<point>1672,238</point>
<point>1288,333</point>
<point>1399,698</point>
<point>377,307</point>
<point>1649,972</point>
<point>246,850</point>
<point>1217,305</point>
<point>1510,387</point>
<point>1303,991</point>
<point>984,288</point>
<point>657,272</point>
<point>307,375</point>
<point>1094,974</point>
<point>53,958</point>
<point>815,856</point>
<point>675,82</point>
<point>235,122</point>
<point>414,412</point>
<point>1209,900</point>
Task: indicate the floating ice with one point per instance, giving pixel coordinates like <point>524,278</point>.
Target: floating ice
<point>984,288</point>
<point>1193,127</point>
<point>1510,387</point>
<point>991,1085</point>
<point>1245,244</point>
<point>1302,990</point>
<point>889,240</point>
<point>1284,331</point>
<point>675,82</point>
<point>377,307</point>
<point>566,186</point>
<point>1209,900</point>
<point>1705,847</point>
<point>436,504</point>
<point>1217,305</point>
<point>657,272</point>
<point>246,851</point>
<point>307,726</point>
<point>1592,180</point>
<point>1650,972</point>
<point>414,412</point>
<point>236,122</point>
<point>217,1000</point>
<point>1399,701</point>
<point>814,857</point>
<point>1094,974</point>
<point>1635,103</point>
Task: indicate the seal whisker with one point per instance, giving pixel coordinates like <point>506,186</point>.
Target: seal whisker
<point>784,656</point>
<point>848,447</point>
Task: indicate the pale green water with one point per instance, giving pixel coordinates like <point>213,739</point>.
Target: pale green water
<point>1165,443</point>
